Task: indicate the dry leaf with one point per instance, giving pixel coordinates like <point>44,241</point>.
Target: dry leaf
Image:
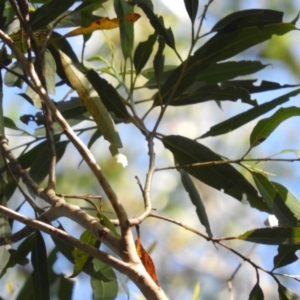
<point>146,260</point>
<point>103,23</point>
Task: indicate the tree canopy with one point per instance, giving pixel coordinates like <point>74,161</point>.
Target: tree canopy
<point>122,152</point>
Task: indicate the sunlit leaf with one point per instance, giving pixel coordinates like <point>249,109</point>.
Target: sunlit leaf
<point>40,277</point>
<point>274,200</point>
<point>247,116</point>
<point>266,126</point>
<point>272,236</point>
<point>256,293</point>
<point>93,103</point>
<point>222,177</point>
<point>286,255</point>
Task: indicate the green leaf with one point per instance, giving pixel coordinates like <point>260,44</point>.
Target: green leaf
<point>82,259</point>
<point>96,135</point>
<point>93,103</point>
<point>247,116</point>
<point>66,250</point>
<point>72,109</point>
<point>11,79</point>
<point>272,236</point>
<point>256,293</point>
<point>104,290</point>
<point>159,62</point>
<point>219,176</point>
<point>196,200</point>
<point>48,12</point>
<point>19,255</point>
<point>108,94</point>
<point>40,277</point>
<point>191,7</point>
<point>50,71</point>
<point>264,86</point>
<point>158,25</point>
<point>286,294</point>
<point>274,200</point>
<point>213,92</point>
<point>286,255</point>
<point>126,28</point>
<point>105,221</point>
<point>143,52</point>
<point>248,18</point>
<point>266,126</point>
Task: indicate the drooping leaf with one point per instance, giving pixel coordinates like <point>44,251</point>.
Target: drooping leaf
<point>82,259</point>
<point>159,62</point>
<point>247,116</point>
<point>272,236</point>
<point>286,255</point>
<point>72,109</point>
<point>49,71</point>
<point>93,103</point>
<point>143,52</point>
<point>219,176</point>
<point>196,200</point>
<point>146,260</point>
<point>48,12</point>
<point>40,277</point>
<point>96,135</point>
<point>109,96</point>
<point>191,7</point>
<point>102,24</point>
<point>274,200</point>
<point>212,92</point>
<point>286,294</point>
<point>122,9</point>
<point>248,18</point>
<point>104,289</point>
<point>256,293</point>
<point>251,86</point>
<point>265,127</point>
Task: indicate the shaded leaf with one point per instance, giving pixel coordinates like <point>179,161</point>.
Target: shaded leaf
<point>108,94</point>
<point>256,293</point>
<point>82,259</point>
<point>274,200</point>
<point>248,18</point>
<point>11,79</point>
<point>40,277</point>
<point>264,86</point>
<point>72,109</point>
<point>48,12</point>
<point>103,24</point>
<point>219,176</point>
<point>272,236</point>
<point>159,61</point>
<point>191,7</point>
<point>146,260</point>
<point>143,52</point>
<point>93,104</point>
<point>266,126</point>
<point>247,116</point>
<point>286,294</point>
<point>104,290</point>
<point>285,255</point>
<point>49,71</point>
<point>196,200</point>
<point>96,135</point>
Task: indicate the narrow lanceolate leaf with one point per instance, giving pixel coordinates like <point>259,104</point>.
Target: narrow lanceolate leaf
<point>143,52</point>
<point>93,103</point>
<point>247,116</point>
<point>219,176</point>
<point>286,294</point>
<point>196,200</point>
<point>109,96</point>
<point>274,200</point>
<point>159,62</point>
<point>266,126</point>
<point>123,9</point>
<point>286,255</point>
<point>272,236</point>
<point>82,259</point>
<point>40,277</point>
<point>191,7</point>
<point>256,293</point>
<point>103,24</point>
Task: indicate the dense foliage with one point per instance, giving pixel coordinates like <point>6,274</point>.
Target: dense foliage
<point>132,85</point>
